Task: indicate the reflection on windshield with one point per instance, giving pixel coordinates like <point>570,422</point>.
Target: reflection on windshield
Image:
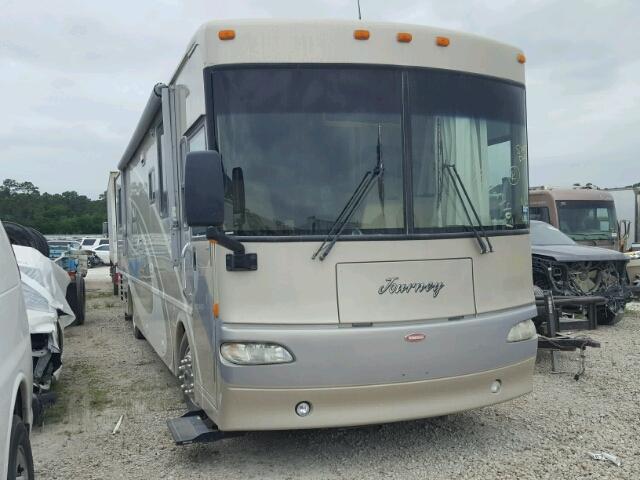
<point>583,220</point>
<point>303,136</point>
<point>544,234</point>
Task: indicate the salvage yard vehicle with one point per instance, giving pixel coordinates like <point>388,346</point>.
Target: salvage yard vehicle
<point>325,224</point>
<point>587,215</point>
<point>566,268</point>
<point>44,286</point>
<point>15,371</point>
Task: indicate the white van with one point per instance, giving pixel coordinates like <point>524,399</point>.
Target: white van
<point>15,371</point>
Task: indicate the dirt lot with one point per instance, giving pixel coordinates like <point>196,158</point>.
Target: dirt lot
<point>547,434</point>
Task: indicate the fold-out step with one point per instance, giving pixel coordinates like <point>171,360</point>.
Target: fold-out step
<point>193,427</point>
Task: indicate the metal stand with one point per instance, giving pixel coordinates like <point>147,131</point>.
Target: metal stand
<point>556,342</point>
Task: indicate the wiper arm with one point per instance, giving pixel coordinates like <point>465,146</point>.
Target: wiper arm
<point>456,180</point>
<point>358,195</point>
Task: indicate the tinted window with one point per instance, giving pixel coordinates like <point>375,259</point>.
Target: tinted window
<point>587,220</point>
<point>301,140</point>
<point>539,213</point>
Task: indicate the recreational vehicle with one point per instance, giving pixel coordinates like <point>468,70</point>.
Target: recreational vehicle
<point>586,215</point>
<point>325,223</point>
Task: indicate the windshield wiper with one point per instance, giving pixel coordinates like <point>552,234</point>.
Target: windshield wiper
<point>455,176</point>
<point>358,195</point>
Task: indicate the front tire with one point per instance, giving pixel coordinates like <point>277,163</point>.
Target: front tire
<point>20,457</point>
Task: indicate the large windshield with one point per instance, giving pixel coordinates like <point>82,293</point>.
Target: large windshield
<point>587,220</point>
<point>297,141</point>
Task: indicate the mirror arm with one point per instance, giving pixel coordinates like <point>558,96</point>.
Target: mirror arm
<point>214,233</point>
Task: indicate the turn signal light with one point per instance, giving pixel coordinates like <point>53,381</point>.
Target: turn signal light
<point>521,58</point>
<point>361,34</point>
<point>227,34</point>
<point>216,310</point>
<point>442,41</point>
<point>404,37</point>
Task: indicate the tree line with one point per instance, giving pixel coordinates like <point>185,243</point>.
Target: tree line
<point>59,213</point>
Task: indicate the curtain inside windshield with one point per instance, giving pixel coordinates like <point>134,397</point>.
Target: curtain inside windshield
<point>475,126</point>
<point>298,140</point>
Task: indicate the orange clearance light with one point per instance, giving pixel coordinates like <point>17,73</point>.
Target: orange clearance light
<point>404,37</point>
<point>216,310</point>
<point>227,34</point>
<point>361,34</point>
<point>521,58</point>
<point>442,41</point>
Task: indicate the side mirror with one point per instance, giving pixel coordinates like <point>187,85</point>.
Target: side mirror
<point>204,189</point>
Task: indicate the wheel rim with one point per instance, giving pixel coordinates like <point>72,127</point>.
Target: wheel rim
<point>22,466</point>
<point>186,365</point>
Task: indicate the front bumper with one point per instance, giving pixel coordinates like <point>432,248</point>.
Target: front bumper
<point>273,409</point>
<point>361,375</point>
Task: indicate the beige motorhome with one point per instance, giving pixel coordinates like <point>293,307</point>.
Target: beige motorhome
<point>324,223</point>
<point>586,215</point>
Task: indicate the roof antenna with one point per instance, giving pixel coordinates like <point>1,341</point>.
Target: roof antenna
<point>359,12</point>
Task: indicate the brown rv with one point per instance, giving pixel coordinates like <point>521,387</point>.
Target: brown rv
<point>586,215</point>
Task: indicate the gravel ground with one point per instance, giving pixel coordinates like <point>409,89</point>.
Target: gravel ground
<point>547,434</point>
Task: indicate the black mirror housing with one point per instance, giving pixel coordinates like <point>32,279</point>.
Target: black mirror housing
<point>204,189</point>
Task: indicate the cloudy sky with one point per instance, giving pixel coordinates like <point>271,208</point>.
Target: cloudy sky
<point>75,75</point>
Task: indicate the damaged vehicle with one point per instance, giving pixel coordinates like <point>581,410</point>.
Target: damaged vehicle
<point>569,269</point>
<point>44,285</point>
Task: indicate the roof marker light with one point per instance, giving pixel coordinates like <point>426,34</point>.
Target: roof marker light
<point>361,34</point>
<point>442,41</point>
<point>404,37</point>
<point>521,58</point>
<point>227,34</point>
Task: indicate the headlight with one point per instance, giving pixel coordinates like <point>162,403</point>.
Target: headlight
<point>633,255</point>
<point>522,331</point>
<point>255,353</point>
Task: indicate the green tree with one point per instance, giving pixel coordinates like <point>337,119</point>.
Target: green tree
<point>59,213</point>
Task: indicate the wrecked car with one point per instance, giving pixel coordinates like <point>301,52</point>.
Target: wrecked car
<point>44,285</point>
<point>566,268</point>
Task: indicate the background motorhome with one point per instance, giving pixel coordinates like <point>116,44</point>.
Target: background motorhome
<point>269,336</point>
<point>627,200</point>
<point>586,215</point>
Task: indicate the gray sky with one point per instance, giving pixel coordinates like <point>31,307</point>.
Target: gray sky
<point>75,76</point>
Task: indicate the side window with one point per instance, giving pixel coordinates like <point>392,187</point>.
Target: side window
<point>104,241</point>
<point>539,213</point>
<point>162,182</point>
<point>152,183</point>
<point>195,141</point>
<point>119,206</point>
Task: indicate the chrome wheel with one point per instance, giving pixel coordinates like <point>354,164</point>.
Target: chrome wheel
<point>186,375</point>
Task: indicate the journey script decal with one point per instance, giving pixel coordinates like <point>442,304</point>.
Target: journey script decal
<point>392,286</point>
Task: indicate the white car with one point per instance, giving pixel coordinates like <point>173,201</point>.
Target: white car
<point>16,366</point>
<point>44,286</point>
<point>91,243</point>
<point>103,253</point>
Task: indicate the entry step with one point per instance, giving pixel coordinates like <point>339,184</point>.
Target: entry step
<point>193,427</point>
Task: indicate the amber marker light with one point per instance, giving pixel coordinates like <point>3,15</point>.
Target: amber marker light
<point>361,34</point>
<point>404,37</point>
<point>521,58</point>
<point>227,34</point>
<point>442,41</point>
<point>216,310</point>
